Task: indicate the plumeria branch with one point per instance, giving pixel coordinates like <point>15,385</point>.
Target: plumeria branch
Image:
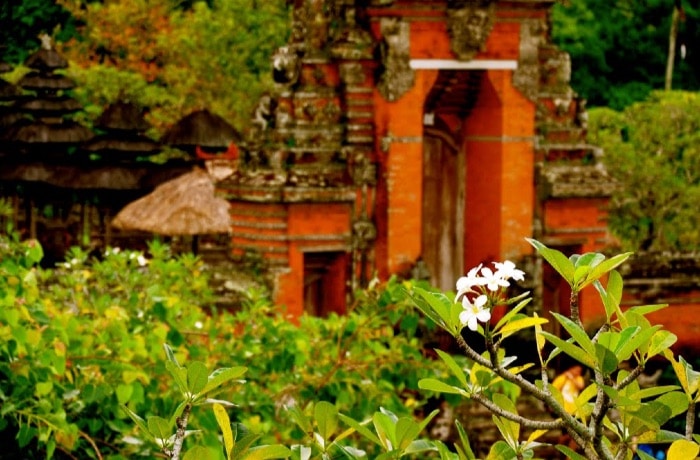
<point>526,422</point>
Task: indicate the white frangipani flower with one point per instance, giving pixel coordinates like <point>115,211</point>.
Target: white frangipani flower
<point>493,281</point>
<point>507,270</point>
<point>466,283</point>
<point>474,311</point>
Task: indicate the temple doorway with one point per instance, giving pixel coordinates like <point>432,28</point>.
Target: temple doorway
<point>447,106</point>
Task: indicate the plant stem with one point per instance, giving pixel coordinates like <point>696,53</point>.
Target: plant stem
<point>573,305</point>
<point>690,421</point>
<point>181,423</point>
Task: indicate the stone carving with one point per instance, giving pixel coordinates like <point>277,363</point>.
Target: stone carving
<point>353,42</point>
<point>364,172</point>
<point>263,114</point>
<point>283,115</point>
<point>527,76</point>
<point>469,23</point>
<point>352,74</point>
<point>285,66</point>
<point>397,77</point>
<point>364,233</point>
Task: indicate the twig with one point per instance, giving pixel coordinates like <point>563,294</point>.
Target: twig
<point>92,443</point>
<point>181,431</point>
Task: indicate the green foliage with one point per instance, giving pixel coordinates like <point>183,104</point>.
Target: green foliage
<point>173,60</point>
<point>618,50</point>
<point>23,21</point>
<point>82,348</point>
<point>626,337</point>
<point>652,151</point>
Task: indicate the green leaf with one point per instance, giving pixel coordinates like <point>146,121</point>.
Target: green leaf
<point>407,430</point>
<point>606,359</point>
<point>439,309</point>
<point>604,267</point>
<point>200,453</point>
<point>572,350</point>
<point>159,428</point>
<point>170,354</point>
<point>360,428</point>
<point>464,440</point>
<point>520,324</point>
<point>418,446</point>
<point>326,415</point>
<point>141,423</point>
<point>268,452</point>
<point>224,422</point>
<point>660,341</point>
<point>510,314</point>
<point>500,450</point>
<point>179,375</point>
<point>221,376</point>
<point>386,430</point>
<point>576,332</point>
<point>300,419</point>
<point>438,386</point>
<point>197,374</point>
<point>683,450</point>
<point>570,453</point>
<point>637,342</point>
<point>556,259</point>
<point>452,365</point>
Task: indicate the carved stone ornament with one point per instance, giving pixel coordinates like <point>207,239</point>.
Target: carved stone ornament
<point>285,66</point>
<point>364,232</point>
<point>352,74</point>
<point>397,76</point>
<point>469,23</point>
<point>364,172</point>
<point>353,42</point>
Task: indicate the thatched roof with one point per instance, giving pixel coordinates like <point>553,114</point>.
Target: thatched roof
<point>45,81</point>
<point>143,176</point>
<point>123,116</point>
<point>201,128</point>
<point>36,132</point>
<point>46,60</point>
<point>186,205</point>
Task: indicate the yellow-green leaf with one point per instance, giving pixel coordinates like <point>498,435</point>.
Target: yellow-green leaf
<point>683,450</point>
<point>225,424</point>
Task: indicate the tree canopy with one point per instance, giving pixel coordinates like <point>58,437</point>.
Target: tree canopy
<point>652,148</point>
<point>619,49</point>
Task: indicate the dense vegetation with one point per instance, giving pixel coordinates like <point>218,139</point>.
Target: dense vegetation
<point>619,49</point>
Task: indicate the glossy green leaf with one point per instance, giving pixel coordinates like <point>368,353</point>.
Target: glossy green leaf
<point>200,453</point>
<point>197,374</point>
<point>570,453</point>
<point>576,332</point>
<point>604,267</point>
<point>606,358</point>
<point>464,442</point>
<point>556,259</point>
<point>360,428</point>
<point>386,430</point>
<point>141,423</point>
<point>510,314</point>
<point>267,452</point>
<point>407,430</point>
<point>159,428</point>
<point>221,376</point>
<point>326,416</point>
<point>440,387</point>
<point>454,368</point>
<point>572,350</point>
<point>636,342</point>
<point>179,375</point>
<point>660,341</point>
<point>500,450</point>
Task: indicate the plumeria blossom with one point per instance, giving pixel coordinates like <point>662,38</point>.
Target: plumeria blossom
<point>474,311</point>
<point>493,281</point>
<point>466,284</point>
<point>507,270</point>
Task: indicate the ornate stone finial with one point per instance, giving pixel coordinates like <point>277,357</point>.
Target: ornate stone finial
<point>46,42</point>
<point>469,23</point>
<point>397,76</point>
<point>364,233</point>
<point>353,42</point>
<point>285,66</point>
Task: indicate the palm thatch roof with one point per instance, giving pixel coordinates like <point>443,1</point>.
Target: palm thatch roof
<point>186,205</point>
<point>201,128</point>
